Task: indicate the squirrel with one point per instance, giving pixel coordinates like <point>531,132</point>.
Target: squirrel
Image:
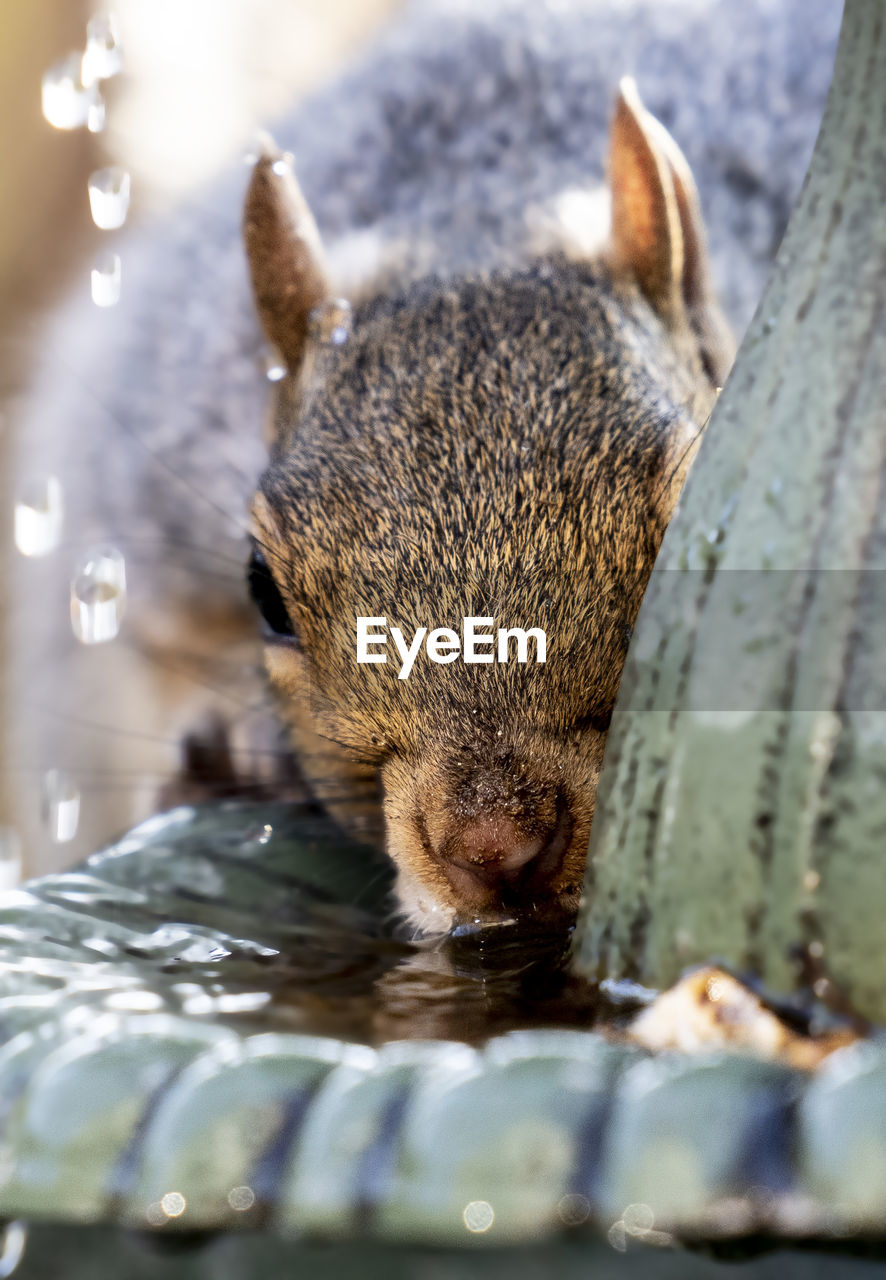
<point>495,367</point>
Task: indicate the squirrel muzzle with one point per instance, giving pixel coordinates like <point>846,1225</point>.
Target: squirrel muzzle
<point>498,851</point>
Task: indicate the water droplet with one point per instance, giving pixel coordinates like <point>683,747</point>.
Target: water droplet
<point>275,369</point>
<point>95,119</point>
<point>241,1198</point>
<point>12,1245</point>
<point>39,513</point>
<point>478,1216</point>
<point>173,1204</point>
<point>10,858</point>
<point>331,322</point>
<point>573,1210</point>
<point>617,1236</point>
<point>109,192</point>
<point>104,53</point>
<point>284,165</point>
<point>638,1218</point>
<point>98,596</point>
<point>107,274</point>
<point>66,99</point>
<point>61,805</point>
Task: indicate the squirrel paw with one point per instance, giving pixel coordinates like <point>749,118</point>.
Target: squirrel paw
<point>211,769</point>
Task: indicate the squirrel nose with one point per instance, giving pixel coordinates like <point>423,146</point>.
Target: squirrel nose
<point>494,849</point>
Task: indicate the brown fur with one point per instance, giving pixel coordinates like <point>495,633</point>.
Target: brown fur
<point>511,444</point>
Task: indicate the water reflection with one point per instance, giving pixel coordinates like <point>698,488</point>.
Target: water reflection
<point>355,985</point>
<point>481,984</point>
<point>263,918</point>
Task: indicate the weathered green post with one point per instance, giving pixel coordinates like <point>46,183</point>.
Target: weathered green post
<point>742,812</point>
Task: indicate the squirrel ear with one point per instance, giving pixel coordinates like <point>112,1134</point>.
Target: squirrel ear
<point>284,253</point>
<point>657,229</point>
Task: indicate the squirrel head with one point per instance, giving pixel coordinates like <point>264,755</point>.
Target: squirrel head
<point>507,445</point>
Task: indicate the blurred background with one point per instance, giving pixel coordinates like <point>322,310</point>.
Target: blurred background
<point>198,77</point>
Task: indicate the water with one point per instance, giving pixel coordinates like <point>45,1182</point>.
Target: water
<point>241,1198</point>
<point>12,1247</point>
<point>295,935</point>
<point>95,119</point>
<point>61,805</point>
<point>66,99</point>
<point>38,517</point>
<point>104,54</point>
<point>481,984</point>
<point>331,322</point>
<point>98,596</point>
<point>107,276</point>
<point>109,194</point>
<point>275,369</point>
<point>342,979</point>
<point>284,165</point>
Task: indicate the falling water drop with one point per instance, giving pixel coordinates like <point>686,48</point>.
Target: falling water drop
<point>95,118</point>
<point>173,1204</point>
<point>109,191</point>
<point>12,1247</point>
<point>331,322</point>
<point>10,858</point>
<point>284,165</point>
<point>275,369</point>
<point>66,99</point>
<point>61,805</point>
<point>104,54</point>
<point>39,512</point>
<point>106,280</point>
<point>241,1198</point>
<point>98,596</point>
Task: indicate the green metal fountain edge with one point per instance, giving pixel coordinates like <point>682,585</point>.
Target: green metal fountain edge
<point>117,1108</point>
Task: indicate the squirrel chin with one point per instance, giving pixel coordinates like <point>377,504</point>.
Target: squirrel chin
<point>418,910</point>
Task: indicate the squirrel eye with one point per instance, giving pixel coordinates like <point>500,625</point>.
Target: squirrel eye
<point>266,595</point>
